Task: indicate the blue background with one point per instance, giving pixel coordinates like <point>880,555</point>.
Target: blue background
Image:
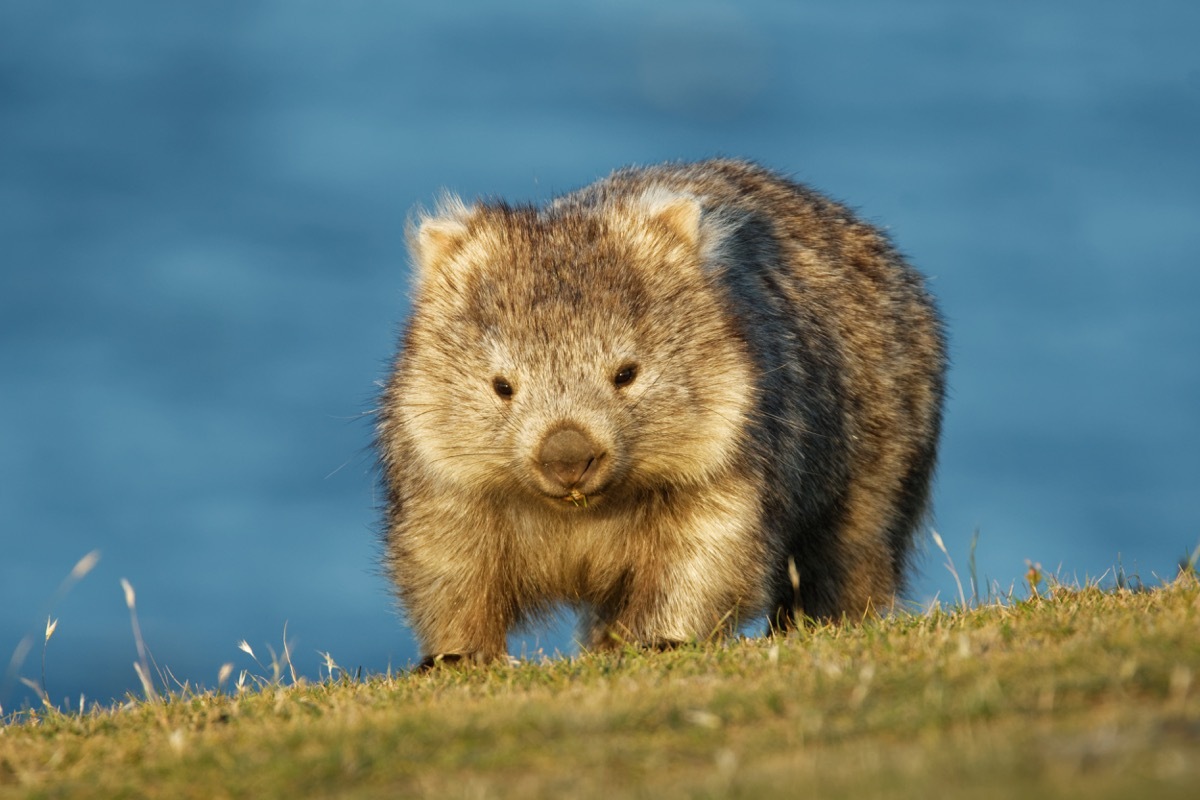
<point>202,273</point>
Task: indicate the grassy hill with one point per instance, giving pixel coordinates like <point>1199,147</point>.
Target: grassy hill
<point>1078,692</point>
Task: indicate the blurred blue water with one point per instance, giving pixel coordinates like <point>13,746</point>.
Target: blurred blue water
<point>202,272</point>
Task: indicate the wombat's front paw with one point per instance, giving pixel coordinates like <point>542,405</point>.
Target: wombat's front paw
<point>443,660</point>
<point>461,660</point>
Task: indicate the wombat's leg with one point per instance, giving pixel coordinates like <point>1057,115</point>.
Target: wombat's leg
<point>662,616</point>
<point>869,580</point>
<point>454,591</point>
<point>630,614</point>
<point>694,581</point>
<point>453,626</point>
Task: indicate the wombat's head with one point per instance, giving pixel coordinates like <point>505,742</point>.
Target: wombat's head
<point>581,355</point>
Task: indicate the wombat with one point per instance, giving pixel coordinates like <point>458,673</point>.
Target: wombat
<point>680,399</point>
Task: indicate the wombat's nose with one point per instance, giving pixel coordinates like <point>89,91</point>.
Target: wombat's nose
<point>565,456</point>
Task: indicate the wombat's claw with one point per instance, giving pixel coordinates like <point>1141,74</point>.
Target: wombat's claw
<point>462,661</point>
<point>439,660</point>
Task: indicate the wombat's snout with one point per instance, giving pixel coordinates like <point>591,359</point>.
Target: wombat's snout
<point>567,458</point>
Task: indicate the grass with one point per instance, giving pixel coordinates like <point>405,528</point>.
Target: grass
<point>1071,692</point>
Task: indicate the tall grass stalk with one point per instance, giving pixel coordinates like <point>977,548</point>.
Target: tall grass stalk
<point>937,539</point>
<point>142,665</point>
<point>78,572</point>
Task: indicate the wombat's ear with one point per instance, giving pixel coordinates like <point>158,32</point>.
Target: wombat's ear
<point>679,212</point>
<point>433,239</point>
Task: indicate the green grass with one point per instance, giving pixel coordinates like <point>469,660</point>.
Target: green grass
<point>1078,692</point>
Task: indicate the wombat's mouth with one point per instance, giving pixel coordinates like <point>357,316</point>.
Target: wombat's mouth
<point>576,498</point>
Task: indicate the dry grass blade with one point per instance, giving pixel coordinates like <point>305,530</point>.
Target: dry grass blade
<point>80,570</point>
<point>142,666</point>
<point>937,540</point>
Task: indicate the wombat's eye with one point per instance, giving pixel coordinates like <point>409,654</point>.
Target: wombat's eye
<point>625,375</point>
<point>502,387</point>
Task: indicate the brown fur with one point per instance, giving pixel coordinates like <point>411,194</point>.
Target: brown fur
<point>649,398</point>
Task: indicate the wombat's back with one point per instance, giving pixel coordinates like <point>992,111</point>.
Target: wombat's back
<point>681,396</point>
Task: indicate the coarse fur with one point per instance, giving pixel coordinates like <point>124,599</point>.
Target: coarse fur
<point>679,399</point>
